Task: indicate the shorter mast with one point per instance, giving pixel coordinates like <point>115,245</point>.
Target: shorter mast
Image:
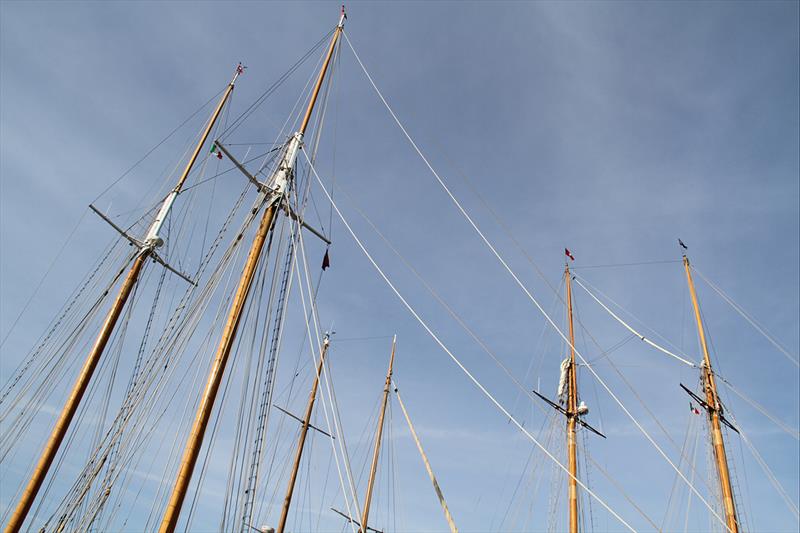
<point>303,432</point>
<point>378,435</point>
<point>714,409</point>
<point>572,413</point>
<point>147,249</point>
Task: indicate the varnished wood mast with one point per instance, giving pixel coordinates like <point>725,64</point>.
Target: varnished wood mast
<point>287,501</point>
<point>89,366</point>
<point>714,411</point>
<point>195,440</point>
<point>376,451</point>
<point>572,414</point>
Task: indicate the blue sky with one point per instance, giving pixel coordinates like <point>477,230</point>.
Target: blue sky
<point>609,128</point>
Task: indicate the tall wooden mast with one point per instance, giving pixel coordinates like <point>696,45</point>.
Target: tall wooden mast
<point>376,452</point>
<point>714,409</point>
<point>273,195</point>
<point>572,413</point>
<point>302,440</point>
<point>147,248</point>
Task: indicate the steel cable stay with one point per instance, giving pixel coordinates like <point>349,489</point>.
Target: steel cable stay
<point>67,313</point>
<point>792,432</point>
<point>672,493</point>
<point>521,388</point>
<point>49,372</point>
<point>74,434</point>
<point>452,356</point>
<point>72,232</point>
<point>766,469</point>
<point>544,278</point>
<point>459,320</point>
<point>750,320</point>
<point>112,443</point>
<point>280,290</point>
<point>582,282</point>
<point>328,400</point>
<point>279,317</point>
<point>244,442</point>
<point>201,265</point>
<point>494,251</point>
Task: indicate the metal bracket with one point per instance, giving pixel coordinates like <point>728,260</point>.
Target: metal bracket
<point>142,246</point>
<point>568,415</point>
<point>708,408</point>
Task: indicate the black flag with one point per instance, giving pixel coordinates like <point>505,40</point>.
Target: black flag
<point>326,261</point>
<point>682,245</point>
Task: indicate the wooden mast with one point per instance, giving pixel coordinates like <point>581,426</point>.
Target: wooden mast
<point>378,435</point>
<point>151,242</point>
<point>714,412</point>
<point>303,432</point>
<point>572,413</point>
<point>275,190</point>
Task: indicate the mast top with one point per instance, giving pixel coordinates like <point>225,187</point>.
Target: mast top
<point>238,72</point>
<point>342,18</point>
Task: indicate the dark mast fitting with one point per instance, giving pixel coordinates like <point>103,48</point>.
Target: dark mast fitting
<point>147,249</point>
<point>272,195</point>
<point>714,409</point>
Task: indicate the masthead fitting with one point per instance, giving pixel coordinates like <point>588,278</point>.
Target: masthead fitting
<point>342,18</point>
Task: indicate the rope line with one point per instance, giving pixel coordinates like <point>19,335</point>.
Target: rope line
<point>747,317</point>
<point>521,285</point>
<point>441,344</point>
<point>629,328</point>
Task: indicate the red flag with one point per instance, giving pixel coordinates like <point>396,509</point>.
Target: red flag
<point>693,408</point>
<point>569,254</point>
<point>326,261</point>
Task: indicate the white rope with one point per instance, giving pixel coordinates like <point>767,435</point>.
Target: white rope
<point>333,428</point>
<point>329,383</point>
<point>629,328</point>
<point>449,353</point>
<point>751,321</point>
<point>523,287</point>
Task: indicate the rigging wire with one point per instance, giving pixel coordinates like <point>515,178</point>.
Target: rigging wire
<point>516,278</point>
<point>312,313</point>
<point>633,331</point>
<point>749,319</point>
<point>452,356</point>
<point>792,432</point>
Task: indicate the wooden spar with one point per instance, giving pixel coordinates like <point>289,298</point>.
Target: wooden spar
<point>195,440</point>
<point>89,366</point>
<point>378,435</point>
<point>303,432</point>
<point>572,413</point>
<point>322,72</point>
<point>714,412</point>
<point>450,522</point>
